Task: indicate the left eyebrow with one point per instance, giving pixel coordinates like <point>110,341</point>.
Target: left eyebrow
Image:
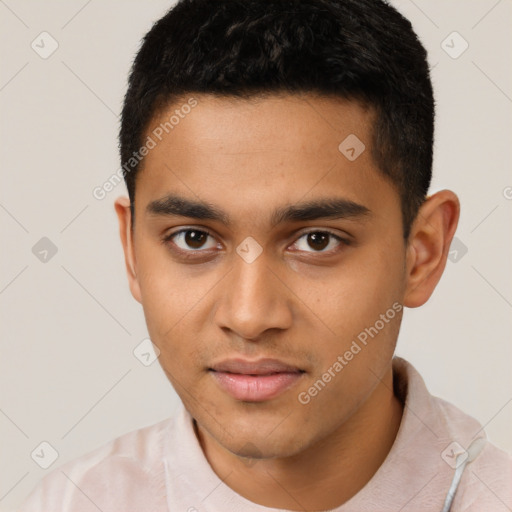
<point>330,208</point>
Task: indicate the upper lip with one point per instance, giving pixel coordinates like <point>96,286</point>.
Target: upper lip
<point>258,367</point>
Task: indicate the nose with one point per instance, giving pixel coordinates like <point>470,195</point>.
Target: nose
<point>254,299</point>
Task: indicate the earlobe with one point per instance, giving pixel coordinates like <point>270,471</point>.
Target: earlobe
<point>124,215</point>
<point>429,244</point>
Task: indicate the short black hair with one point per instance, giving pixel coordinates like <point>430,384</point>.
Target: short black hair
<point>362,50</point>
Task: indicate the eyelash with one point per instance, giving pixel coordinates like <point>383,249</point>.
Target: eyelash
<point>197,252</point>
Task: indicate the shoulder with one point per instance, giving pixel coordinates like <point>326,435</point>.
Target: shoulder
<point>486,483</point>
<point>127,472</point>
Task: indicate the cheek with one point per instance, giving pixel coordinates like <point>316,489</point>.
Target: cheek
<point>177,300</point>
<point>347,298</point>
<point>166,298</point>
<point>165,288</point>
<point>357,312</point>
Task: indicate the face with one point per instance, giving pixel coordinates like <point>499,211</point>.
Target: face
<point>270,265</point>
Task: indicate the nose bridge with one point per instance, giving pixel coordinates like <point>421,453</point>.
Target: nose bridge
<point>251,281</point>
<point>253,298</point>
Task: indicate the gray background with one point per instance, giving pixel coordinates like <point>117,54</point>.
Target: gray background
<point>68,323</point>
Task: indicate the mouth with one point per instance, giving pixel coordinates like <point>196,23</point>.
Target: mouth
<point>255,381</point>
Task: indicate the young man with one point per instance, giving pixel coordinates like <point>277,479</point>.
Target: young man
<point>277,155</point>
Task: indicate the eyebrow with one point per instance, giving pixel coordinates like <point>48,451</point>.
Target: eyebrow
<point>326,208</point>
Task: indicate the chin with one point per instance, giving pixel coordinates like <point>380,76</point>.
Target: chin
<point>268,437</point>
<point>261,448</point>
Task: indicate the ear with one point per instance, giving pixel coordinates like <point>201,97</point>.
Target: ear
<point>428,246</point>
<point>124,215</point>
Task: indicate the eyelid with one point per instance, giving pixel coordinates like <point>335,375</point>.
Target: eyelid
<point>167,238</point>
<point>342,240</point>
<point>188,228</point>
<point>330,231</point>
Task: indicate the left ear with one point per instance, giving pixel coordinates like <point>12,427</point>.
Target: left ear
<point>429,244</point>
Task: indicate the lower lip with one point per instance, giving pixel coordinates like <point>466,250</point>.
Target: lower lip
<point>255,388</point>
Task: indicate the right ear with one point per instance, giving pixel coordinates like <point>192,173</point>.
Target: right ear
<point>124,216</point>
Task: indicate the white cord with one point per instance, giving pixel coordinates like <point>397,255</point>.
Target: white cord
<point>463,459</point>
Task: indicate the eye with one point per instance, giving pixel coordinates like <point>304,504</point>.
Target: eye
<point>318,241</point>
<point>192,240</point>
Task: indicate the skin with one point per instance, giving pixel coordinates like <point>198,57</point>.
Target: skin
<point>294,303</point>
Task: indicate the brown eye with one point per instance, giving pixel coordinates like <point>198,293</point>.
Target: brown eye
<point>192,240</point>
<point>195,239</point>
<point>318,241</point>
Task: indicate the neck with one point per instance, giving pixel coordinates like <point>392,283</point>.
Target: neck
<point>325,475</point>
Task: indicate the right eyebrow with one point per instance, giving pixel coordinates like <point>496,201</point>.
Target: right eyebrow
<point>179,206</point>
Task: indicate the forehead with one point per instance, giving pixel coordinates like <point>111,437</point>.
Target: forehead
<point>294,122</point>
<point>243,153</point>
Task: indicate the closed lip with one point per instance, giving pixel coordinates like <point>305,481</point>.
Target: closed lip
<point>263,366</point>
<point>259,380</point>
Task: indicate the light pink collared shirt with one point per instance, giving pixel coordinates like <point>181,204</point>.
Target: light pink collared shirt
<point>162,468</point>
